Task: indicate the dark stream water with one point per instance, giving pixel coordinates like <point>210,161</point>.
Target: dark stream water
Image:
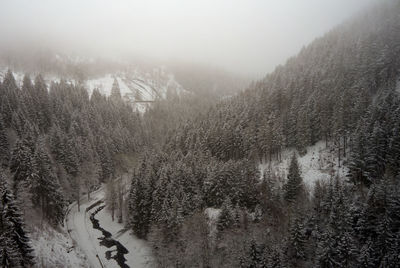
<point>108,241</point>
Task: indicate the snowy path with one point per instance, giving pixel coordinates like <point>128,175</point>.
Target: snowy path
<point>86,237</point>
<point>78,224</point>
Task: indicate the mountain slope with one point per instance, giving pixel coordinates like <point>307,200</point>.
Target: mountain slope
<point>319,94</point>
<point>340,93</point>
<point>139,89</point>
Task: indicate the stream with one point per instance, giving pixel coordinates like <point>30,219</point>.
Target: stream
<point>108,241</point>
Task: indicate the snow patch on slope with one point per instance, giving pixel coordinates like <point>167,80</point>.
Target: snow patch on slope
<point>54,249</point>
<point>103,84</point>
<point>212,215</point>
<point>138,86</point>
<point>139,89</point>
<point>319,163</point>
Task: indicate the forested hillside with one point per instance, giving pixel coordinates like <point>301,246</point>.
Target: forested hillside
<point>319,94</point>
<point>207,81</point>
<point>340,89</point>
<point>58,143</point>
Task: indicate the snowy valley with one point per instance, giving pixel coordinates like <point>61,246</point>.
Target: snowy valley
<point>87,227</point>
<point>132,137</point>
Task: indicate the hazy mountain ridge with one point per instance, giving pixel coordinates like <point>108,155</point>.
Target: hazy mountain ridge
<point>202,80</point>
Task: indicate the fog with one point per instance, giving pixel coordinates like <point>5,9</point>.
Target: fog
<point>246,36</point>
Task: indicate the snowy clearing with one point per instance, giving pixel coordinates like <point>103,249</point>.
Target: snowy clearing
<point>54,249</point>
<point>319,163</point>
<point>212,215</point>
<point>140,89</point>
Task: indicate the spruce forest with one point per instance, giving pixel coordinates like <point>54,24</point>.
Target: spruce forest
<point>211,170</point>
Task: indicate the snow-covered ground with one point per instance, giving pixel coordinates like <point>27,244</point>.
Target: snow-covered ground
<point>86,237</point>
<point>54,249</point>
<point>140,89</point>
<point>212,215</point>
<point>139,253</point>
<point>319,163</point>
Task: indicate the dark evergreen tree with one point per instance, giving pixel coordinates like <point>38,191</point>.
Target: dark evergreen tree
<point>42,104</point>
<point>357,164</point>
<point>226,218</point>
<point>254,257</point>
<point>4,146</point>
<point>22,163</point>
<point>274,259</point>
<point>15,250</point>
<point>293,187</point>
<point>326,255</point>
<point>106,163</point>
<point>139,209</point>
<point>115,91</point>
<point>296,243</point>
<point>393,154</point>
<point>9,253</point>
<point>46,190</point>
<point>9,98</point>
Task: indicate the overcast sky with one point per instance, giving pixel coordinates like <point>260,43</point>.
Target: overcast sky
<point>246,36</point>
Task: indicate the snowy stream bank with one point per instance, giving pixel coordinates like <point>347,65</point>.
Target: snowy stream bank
<point>104,242</point>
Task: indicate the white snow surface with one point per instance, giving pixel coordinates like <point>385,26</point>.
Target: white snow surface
<point>140,89</point>
<point>54,249</point>
<point>86,237</point>
<point>319,163</point>
<point>212,215</point>
<point>139,253</point>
